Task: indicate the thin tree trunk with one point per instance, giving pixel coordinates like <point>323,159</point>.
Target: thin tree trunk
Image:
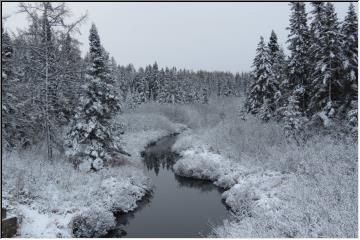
<point>48,140</point>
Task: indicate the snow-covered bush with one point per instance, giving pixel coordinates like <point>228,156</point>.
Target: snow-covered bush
<point>121,195</point>
<point>241,200</point>
<point>48,195</point>
<point>199,164</point>
<point>92,223</point>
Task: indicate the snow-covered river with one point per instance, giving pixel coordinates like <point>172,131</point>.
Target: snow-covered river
<point>178,207</point>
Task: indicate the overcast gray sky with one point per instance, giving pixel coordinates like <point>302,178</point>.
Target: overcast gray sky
<point>209,36</point>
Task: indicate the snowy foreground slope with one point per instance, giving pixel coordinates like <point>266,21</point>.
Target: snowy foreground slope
<point>55,200</point>
<point>274,187</point>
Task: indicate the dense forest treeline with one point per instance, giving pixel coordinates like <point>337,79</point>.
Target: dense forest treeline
<point>50,91</point>
<point>318,80</point>
<point>44,77</point>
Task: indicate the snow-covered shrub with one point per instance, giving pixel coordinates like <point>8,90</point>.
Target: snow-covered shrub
<point>352,117</point>
<point>199,164</point>
<point>121,195</point>
<point>49,194</point>
<point>85,166</point>
<point>240,200</point>
<point>92,223</point>
<point>98,164</point>
<point>185,141</point>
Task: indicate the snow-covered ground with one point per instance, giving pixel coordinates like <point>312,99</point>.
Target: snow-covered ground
<point>56,200</point>
<point>47,196</point>
<point>274,187</point>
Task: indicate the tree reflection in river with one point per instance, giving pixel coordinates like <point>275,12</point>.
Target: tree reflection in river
<point>176,207</point>
<point>154,160</point>
<point>202,185</point>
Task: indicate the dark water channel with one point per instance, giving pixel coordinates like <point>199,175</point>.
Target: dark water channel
<point>178,207</point>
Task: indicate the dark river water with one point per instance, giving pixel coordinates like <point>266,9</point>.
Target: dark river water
<point>178,207</point>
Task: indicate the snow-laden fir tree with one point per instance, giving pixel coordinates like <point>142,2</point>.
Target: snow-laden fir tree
<point>175,90</point>
<point>316,29</point>
<point>140,86</point>
<point>278,66</point>
<point>293,118</point>
<point>71,80</point>
<point>204,94</point>
<point>89,139</point>
<point>154,83</point>
<point>162,88</point>
<point>298,63</point>
<point>327,86</point>
<point>8,93</point>
<point>349,46</point>
<point>262,87</point>
<point>195,92</point>
<point>165,94</point>
<point>147,75</point>
<point>316,51</point>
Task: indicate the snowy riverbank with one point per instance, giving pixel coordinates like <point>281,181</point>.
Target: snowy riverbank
<point>274,187</point>
<point>278,189</point>
<point>52,199</point>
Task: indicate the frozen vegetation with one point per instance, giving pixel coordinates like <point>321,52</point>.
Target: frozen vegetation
<point>274,187</point>
<point>281,140</point>
<point>53,199</point>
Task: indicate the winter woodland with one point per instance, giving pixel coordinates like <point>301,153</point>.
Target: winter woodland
<point>280,139</point>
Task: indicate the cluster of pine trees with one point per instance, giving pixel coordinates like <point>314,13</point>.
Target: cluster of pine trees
<point>181,86</point>
<point>50,91</point>
<point>318,80</point>
<point>37,66</point>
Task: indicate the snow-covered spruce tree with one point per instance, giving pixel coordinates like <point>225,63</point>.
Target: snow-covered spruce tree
<point>327,87</point>
<point>295,88</point>
<point>350,53</point>
<point>277,62</point>
<point>294,119</point>
<point>175,93</point>
<point>228,89</point>
<point>140,86</point>
<point>316,29</point>
<point>147,75</point>
<point>163,87</point>
<point>165,94</point>
<point>262,88</point>
<point>195,93</point>
<point>8,84</point>
<point>89,139</point>
<point>154,84</point>
<point>70,82</point>
<point>299,64</point>
<point>204,94</point>
<point>316,51</point>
